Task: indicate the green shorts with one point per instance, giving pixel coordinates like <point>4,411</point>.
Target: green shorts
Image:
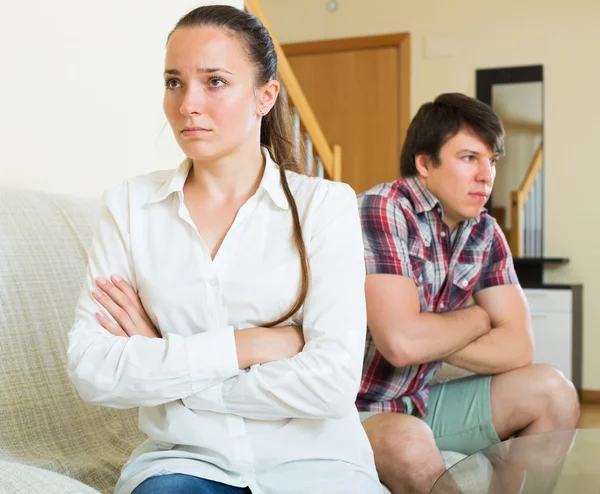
<point>459,414</point>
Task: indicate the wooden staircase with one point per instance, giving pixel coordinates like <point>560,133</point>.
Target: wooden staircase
<point>314,154</point>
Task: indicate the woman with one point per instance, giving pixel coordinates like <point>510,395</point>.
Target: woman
<point>238,321</point>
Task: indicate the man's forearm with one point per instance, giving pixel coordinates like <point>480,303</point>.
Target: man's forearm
<point>500,350</point>
<point>433,336</point>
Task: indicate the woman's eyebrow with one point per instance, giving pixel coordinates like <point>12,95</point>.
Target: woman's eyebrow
<point>204,70</point>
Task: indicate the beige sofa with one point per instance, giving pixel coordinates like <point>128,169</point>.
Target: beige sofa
<point>50,440</point>
<point>44,426</point>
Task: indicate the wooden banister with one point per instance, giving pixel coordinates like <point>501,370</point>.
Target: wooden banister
<point>517,202</point>
<point>532,173</point>
<point>331,157</point>
<point>337,163</point>
<point>515,238</point>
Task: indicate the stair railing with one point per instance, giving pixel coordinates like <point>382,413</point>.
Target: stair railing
<point>525,239</point>
<point>313,152</point>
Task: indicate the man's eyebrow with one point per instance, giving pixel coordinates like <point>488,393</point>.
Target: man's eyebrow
<point>204,70</point>
<point>476,153</point>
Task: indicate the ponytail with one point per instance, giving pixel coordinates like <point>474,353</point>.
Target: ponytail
<point>275,135</point>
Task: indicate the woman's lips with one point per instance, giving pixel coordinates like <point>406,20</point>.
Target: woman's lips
<point>194,131</point>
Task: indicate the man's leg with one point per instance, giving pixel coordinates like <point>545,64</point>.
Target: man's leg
<point>466,415</point>
<point>406,456</point>
<point>529,464</point>
<point>533,399</point>
<point>407,448</point>
<point>473,413</point>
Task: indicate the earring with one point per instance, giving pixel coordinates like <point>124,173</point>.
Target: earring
<point>261,111</point>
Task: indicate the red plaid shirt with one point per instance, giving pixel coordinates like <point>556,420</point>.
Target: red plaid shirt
<point>404,234</point>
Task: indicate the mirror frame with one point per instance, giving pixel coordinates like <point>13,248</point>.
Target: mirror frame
<point>487,78</point>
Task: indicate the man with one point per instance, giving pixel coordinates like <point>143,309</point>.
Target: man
<point>429,247</point>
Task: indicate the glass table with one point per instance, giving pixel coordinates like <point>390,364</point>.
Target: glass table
<point>562,462</point>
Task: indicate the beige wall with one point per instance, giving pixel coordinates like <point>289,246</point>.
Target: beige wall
<point>564,37</point>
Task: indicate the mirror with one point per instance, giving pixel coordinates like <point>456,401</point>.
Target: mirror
<point>516,94</point>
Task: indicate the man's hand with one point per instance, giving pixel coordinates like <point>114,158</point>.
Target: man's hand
<point>406,336</point>
<point>509,345</point>
<point>125,306</point>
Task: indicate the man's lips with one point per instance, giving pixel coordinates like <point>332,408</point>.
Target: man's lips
<point>479,195</point>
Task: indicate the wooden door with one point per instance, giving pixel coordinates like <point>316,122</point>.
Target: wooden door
<point>359,92</point>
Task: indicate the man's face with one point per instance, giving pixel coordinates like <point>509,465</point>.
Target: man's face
<point>463,179</point>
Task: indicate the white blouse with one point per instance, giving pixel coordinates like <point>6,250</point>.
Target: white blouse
<point>287,426</point>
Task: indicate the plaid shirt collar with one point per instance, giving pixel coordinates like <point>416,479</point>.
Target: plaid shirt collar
<point>423,200</point>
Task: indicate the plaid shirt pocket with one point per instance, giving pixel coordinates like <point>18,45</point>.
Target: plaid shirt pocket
<point>465,278</point>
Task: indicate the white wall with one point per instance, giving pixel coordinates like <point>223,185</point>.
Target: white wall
<point>81,92</point>
<point>562,36</point>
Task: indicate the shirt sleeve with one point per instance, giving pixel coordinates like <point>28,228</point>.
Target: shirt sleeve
<point>498,267</point>
<point>122,372</point>
<point>322,381</point>
<point>384,235</point>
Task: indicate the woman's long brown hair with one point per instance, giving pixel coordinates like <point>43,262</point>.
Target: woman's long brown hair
<point>275,132</point>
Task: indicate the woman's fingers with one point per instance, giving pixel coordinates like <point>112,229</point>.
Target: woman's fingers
<point>131,294</point>
<point>110,326</point>
<point>121,299</point>
<point>119,314</point>
<point>122,303</point>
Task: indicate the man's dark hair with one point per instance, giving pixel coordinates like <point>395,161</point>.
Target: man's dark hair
<point>435,123</point>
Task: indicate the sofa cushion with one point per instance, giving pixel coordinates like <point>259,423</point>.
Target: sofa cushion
<point>25,479</point>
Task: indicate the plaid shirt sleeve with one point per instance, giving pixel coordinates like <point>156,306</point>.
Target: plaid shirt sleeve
<point>384,236</point>
<point>498,268</point>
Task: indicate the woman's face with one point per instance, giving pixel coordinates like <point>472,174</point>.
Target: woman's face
<point>210,98</point>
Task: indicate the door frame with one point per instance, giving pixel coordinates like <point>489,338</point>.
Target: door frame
<point>399,40</point>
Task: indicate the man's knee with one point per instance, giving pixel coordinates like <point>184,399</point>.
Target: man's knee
<point>555,391</point>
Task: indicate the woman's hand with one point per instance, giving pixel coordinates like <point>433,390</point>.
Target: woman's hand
<point>284,342</point>
<point>261,345</point>
<point>254,345</point>
<point>125,306</point>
